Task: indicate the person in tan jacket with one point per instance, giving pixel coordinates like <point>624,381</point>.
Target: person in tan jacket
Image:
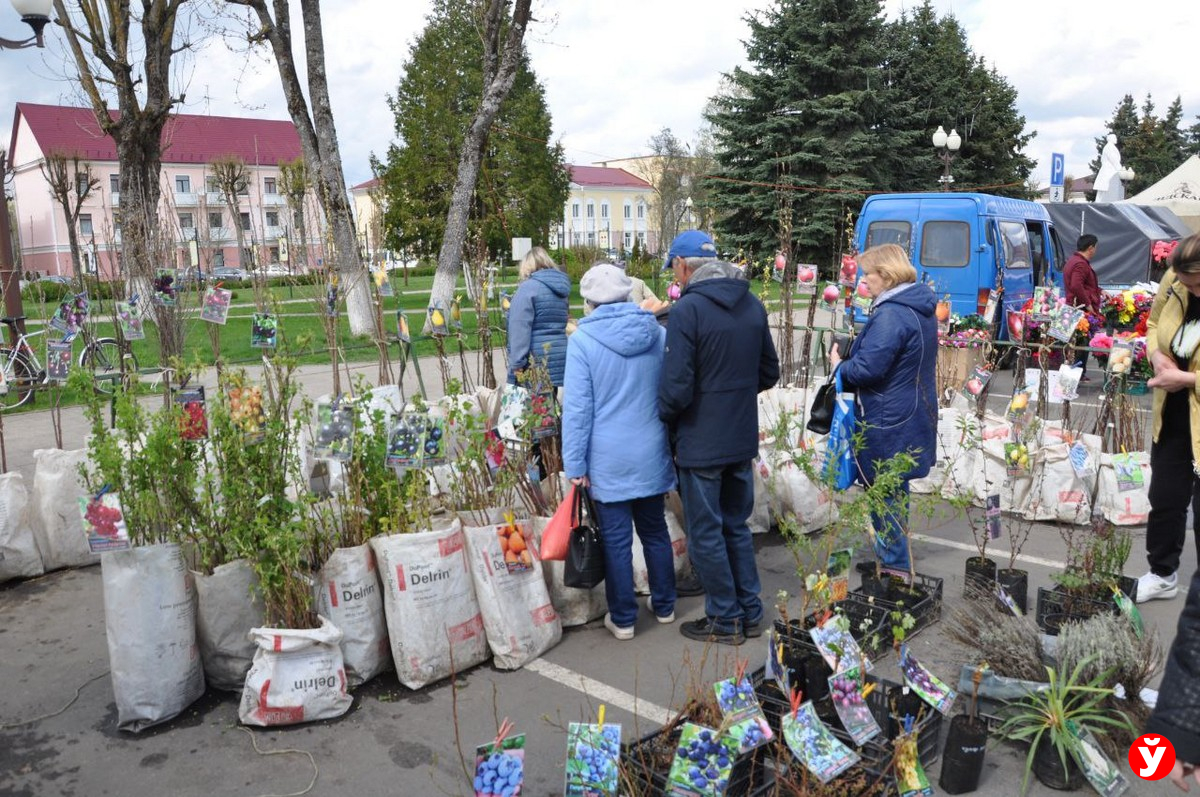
<point>1173,346</point>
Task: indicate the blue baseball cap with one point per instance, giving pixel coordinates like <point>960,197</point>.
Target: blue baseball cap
<point>692,243</point>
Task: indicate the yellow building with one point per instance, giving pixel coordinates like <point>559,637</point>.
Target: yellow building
<point>609,209</point>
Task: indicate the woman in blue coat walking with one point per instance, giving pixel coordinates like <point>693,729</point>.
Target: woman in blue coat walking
<point>891,366</point>
<point>615,444</point>
<point>537,317</point>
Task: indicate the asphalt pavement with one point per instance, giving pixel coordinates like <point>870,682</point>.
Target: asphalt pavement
<point>58,732</point>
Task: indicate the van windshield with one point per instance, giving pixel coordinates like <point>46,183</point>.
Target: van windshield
<point>945,244</point>
<point>889,232</point>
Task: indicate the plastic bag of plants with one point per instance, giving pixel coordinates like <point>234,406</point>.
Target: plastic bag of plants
<point>297,676</point>
<point>518,616</point>
<point>228,606</point>
<point>150,620</point>
<point>348,593</point>
<point>53,513</point>
<point>433,617</point>
<point>19,557</point>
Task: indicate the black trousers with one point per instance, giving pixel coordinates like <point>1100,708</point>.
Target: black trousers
<point>1173,486</point>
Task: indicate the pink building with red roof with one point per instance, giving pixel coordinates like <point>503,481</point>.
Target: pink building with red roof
<point>194,212</point>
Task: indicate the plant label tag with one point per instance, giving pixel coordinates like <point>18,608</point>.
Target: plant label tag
<point>822,753</point>
<point>331,300</point>
<point>976,382</point>
<point>402,332</point>
<point>130,321</point>
<point>989,309</point>
<point>500,768</point>
<point>992,516</point>
<point>1081,461</point>
<point>1130,610</point>
<point>335,430</point>
<point>1106,778</point>
<point>1016,326</point>
<point>216,305</point>
<point>1044,302</point>
<point>104,523</point>
<point>846,690</point>
<point>70,315</point>
<point>1007,601</point>
<point>744,720</point>
<point>456,322</point>
<point>513,546</point>
<point>1066,386</point>
<point>911,780</point>
<point>406,441</point>
<point>1016,458</point>
<point>1120,358</point>
<point>383,285</point>
<point>837,566</point>
<point>702,763</point>
<point>164,287</point>
<point>264,331</point>
<point>837,646</point>
<point>1128,472</point>
<point>775,667</point>
<point>592,758</point>
<point>193,424</point>
<point>58,360</point>
<point>927,685</point>
<point>1064,319</point>
<point>438,325</point>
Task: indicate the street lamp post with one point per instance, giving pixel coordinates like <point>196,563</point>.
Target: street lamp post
<point>947,147</point>
<point>35,13</point>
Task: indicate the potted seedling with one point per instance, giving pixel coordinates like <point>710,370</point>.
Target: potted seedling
<point>1096,559</point>
<point>1011,579</point>
<point>1050,719</point>
<point>966,744</point>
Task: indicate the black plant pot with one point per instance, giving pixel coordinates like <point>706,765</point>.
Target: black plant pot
<point>980,576</point>
<point>902,702</point>
<point>1048,768</point>
<point>1016,584</point>
<point>962,760</point>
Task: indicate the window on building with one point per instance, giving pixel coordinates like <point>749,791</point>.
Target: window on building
<point>591,210</point>
<point>85,224</point>
<point>641,210</point>
<point>274,250</point>
<point>604,210</point>
<point>82,183</point>
<point>211,185</point>
<point>243,188</point>
<point>185,221</point>
<point>269,185</point>
<point>116,218</point>
<point>628,240</point>
<point>248,255</point>
<point>272,218</point>
<point>218,259</point>
<point>183,184</point>
<point>577,238</point>
<point>591,239</point>
<point>246,221</point>
<point>642,239</point>
<point>628,211</point>
<point>575,210</point>
<point>214,219</point>
<point>114,183</point>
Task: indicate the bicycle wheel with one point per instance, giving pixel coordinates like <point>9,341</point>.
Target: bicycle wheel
<point>19,378</point>
<point>103,358</point>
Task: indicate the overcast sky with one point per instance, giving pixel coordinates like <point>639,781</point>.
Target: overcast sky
<point>619,71</point>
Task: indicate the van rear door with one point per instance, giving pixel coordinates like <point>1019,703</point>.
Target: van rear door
<point>947,248</point>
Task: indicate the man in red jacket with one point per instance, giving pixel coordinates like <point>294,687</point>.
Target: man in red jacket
<point>1083,290</point>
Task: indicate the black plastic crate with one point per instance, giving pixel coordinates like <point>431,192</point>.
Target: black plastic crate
<point>647,777</point>
<point>876,753</point>
<point>1052,602</point>
<point>870,626</point>
<point>777,771</point>
<point>925,610</point>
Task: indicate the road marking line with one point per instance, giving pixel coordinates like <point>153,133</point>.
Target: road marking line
<point>962,546</point>
<point>601,692</point>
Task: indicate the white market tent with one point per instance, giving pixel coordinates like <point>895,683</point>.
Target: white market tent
<point>1179,192</point>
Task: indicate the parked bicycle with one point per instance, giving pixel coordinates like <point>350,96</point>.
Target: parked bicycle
<point>24,372</point>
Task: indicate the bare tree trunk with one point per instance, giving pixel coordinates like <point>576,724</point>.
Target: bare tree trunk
<point>499,72</point>
<point>318,140</point>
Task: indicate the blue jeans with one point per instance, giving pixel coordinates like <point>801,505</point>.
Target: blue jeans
<point>891,543</point>
<point>716,504</point>
<point>617,521</point>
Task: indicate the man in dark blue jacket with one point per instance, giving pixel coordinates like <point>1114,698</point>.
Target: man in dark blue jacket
<point>719,356</point>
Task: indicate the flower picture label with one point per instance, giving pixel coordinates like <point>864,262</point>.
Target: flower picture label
<point>104,523</point>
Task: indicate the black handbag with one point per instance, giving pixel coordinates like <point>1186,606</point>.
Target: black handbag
<point>820,420</point>
<point>584,567</point>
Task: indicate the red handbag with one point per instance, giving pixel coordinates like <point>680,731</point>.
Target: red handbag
<point>557,533</point>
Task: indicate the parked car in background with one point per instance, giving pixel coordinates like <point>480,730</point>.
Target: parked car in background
<point>229,273</point>
<point>56,278</point>
<point>277,270</point>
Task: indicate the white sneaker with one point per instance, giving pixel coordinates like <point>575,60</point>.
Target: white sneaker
<point>1151,587</point>
<point>670,618</point>
<point>623,634</point>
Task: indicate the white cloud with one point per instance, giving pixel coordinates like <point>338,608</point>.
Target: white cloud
<point>616,73</point>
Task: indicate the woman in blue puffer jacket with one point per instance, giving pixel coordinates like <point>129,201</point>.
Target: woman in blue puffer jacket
<point>615,444</point>
<point>537,317</point>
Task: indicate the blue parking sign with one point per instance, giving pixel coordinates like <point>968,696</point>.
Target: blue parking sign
<point>1058,168</point>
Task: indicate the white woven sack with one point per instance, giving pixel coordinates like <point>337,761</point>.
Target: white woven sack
<point>19,557</point>
<point>228,606</point>
<point>1124,507</point>
<point>150,620</point>
<point>54,511</point>
<point>791,494</point>
<point>348,593</point>
<point>518,616</point>
<point>297,677</point>
<point>429,602</point>
<point>1058,493</point>
<point>574,606</point>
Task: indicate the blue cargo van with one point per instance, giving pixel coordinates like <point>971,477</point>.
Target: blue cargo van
<point>966,245</point>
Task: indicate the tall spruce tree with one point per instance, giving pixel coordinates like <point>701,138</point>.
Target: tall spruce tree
<point>792,133</point>
<point>523,180</point>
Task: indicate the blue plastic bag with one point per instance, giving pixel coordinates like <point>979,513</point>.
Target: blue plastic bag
<point>840,465</point>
